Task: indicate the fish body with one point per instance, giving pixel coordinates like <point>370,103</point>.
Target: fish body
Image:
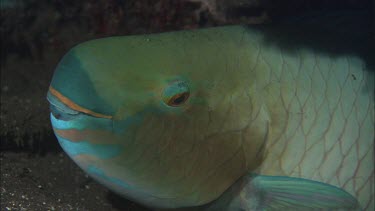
<point>220,117</point>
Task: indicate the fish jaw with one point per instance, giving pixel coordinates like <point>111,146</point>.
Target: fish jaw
<point>90,143</point>
<point>127,170</point>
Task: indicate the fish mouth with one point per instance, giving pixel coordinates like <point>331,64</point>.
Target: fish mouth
<point>63,108</point>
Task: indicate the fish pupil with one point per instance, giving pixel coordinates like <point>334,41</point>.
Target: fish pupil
<point>178,99</point>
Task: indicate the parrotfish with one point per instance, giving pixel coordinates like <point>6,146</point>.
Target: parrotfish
<point>222,118</point>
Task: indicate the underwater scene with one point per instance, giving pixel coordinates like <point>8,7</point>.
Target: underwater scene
<point>187,105</point>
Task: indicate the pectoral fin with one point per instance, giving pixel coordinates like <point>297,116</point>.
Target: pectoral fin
<point>256,192</point>
<point>276,192</point>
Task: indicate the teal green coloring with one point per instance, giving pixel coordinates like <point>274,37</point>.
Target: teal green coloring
<point>102,151</point>
<point>279,192</point>
<point>72,81</point>
<point>259,192</point>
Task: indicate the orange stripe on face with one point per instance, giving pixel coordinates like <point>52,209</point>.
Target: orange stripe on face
<point>93,136</point>
<point>74,106</point>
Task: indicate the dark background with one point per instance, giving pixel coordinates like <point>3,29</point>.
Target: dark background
<point>35,34</point>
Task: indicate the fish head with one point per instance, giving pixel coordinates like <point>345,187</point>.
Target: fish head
<point>144,115</point>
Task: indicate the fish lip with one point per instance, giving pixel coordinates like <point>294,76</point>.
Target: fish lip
<point>67,106</point>
<point>59,110</point>
<point>60,106</point>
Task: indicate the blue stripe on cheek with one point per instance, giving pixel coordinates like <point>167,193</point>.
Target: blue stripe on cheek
<point>103,151</point>
<point>94,171</point>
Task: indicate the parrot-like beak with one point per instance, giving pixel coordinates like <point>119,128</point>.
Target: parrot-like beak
<point>63,108</point>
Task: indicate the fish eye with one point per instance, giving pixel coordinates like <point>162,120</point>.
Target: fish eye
<point>176,93</point>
